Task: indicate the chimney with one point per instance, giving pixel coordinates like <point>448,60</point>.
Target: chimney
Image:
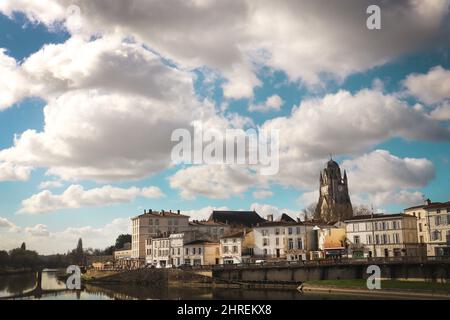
<point>270,217</point>
<point>427,202</point>
<point>178,211</point>
<point>145,211</point>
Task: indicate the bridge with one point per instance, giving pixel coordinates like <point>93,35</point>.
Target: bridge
<point>37,292</point>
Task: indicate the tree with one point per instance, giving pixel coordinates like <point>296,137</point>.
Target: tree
<point>121,240</point>
<point>79,256</point>
<point>308,212</point>
<point>4,258</point>
<point>362,209</point>
<point>23,246</point>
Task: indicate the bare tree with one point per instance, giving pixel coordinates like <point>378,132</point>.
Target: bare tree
<point>361,210</point>
<point>308,211</point>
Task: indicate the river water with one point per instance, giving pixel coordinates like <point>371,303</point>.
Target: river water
<point>13,285</point>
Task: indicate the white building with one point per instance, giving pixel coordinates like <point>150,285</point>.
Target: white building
<point>383,235</point>
<point>154,224</point>
<point>237,247</point>
<point>283,240</point>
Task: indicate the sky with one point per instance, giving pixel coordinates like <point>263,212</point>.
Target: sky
<point>91,92</point>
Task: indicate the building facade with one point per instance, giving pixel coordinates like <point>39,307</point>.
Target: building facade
<point>383,235</point>
<point>154,224</point>
<point>334,201</point>
<point>281,240</point>
<point>201,252</point>
<point>237,247</point>
<point>433,223</point>
<point>210,229</point>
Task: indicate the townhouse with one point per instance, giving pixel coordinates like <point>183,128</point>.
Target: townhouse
<point>383,235</point>
<point>237,247</point>
<point>201,252</point>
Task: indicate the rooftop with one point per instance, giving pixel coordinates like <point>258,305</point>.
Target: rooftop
<point>378,216</point>
<point>238,234</point>
<point>431,205</point>
<point>157,214</point>
<point>242,218</point>
<point>206,223</point>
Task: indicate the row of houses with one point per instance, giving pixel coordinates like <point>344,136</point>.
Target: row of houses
<point>166,238</point>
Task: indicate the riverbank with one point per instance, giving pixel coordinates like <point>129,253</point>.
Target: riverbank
<point>411,289</point>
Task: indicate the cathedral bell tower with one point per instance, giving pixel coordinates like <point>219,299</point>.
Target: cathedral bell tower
<point>334,201</point>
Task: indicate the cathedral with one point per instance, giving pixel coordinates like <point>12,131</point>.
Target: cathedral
<point>334,201</point>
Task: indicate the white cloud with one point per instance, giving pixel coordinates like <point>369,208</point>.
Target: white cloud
<point>213,181</point>
<point>39,230</point>
<point>12,172</point>
<point>261,194</point>
<point>430,88</point>
<point>381,171</point>
<point>403,197</point>
<point>110,111</point>
<point>76,197</point>
<point>442,112</point>
<point>299,37</point>
<point>51,184</point>
<point>272,103</point>
<point>344,124</point>
<point>5,223</point>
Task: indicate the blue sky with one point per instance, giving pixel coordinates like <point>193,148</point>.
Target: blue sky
<point>388,144</point>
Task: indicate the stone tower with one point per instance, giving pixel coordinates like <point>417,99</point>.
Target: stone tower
<point>334,202</point>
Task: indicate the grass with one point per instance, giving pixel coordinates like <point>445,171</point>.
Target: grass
<point>385,284</point>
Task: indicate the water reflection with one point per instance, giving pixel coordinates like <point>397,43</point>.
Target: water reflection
<point>19,284</point>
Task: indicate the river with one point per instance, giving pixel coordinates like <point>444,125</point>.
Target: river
<point>13,285</point>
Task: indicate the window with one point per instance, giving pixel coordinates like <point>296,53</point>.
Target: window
<point>265,242</point>
<point>377,239</point>
<point>265,232</point>
<point>369,239</point>
<point>193,250</point>
<point>289,230</point>
<point>356,240</point>
<point>420,227</point>
<point>383,225</point>
<point>356,227</point>
<point>187,251</point>
<point>290,244</point>
<point>421,239</point>
<point>448,219</point>
<point>235,249</point>
<point>300,243</point>
<point>385,238</point>
<point>394,225</point>
<point>436,235</point>
<point>277,231</point>
<point>265,252</point>
<point>438,211</point>
<point>199,250</point>
<point>150,222</point>
<point>277,241</point>
<point>437,220</point>
<point>298,230</point>
<point>225,249</point>
<point>157,222</point>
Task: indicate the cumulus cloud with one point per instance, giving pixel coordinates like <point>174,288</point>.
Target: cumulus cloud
<point>5,223</point>
<point>213,181</point>
<point>76,196</point>
<point>298,37</point>
<point>202,213</point>
<point>381,171</point>
<point>442,112</point>
<point>430,88</point>
<point>272,103</point>
<point>110,111</point>
<point>39,230</point>
<point>12,172</point>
